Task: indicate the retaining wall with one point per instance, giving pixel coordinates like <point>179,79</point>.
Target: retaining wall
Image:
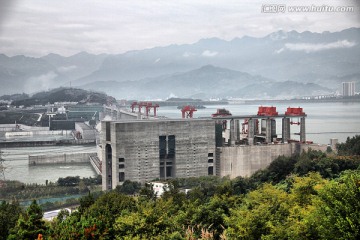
<point>60,158</point>
<point>37,132</point>
<point>245,160</point>
<point>46,143</point>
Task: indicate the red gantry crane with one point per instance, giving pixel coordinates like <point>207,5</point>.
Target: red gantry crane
<point>147,105</point>
<point>222,112</point>
<point>294,112</point>
<point>188,111</point>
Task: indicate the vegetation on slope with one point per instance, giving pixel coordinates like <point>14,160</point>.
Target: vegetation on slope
<point>310,196</point>
<point>65,95</point>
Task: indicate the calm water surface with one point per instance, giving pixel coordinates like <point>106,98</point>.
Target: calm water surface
<point>17,168</point>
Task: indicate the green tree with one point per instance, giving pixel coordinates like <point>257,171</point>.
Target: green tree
<point>280,168</point>
<point>261,210</point>
<point>9,215</point>
<point>300,222</point>
<point>272,213</point>
<point>96,220</point>
<point>147,192</point>
<point>86,202</point>
<point>30,224</point>
<point>129,187</point>
<point>241,185</point>
<point>151,221</point>
<point>62,215</point>
<point>69,181</point>
<point>339,209</point>
<point>211,215</point>
<point>350,147</point>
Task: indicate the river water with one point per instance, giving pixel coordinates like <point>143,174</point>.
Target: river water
<point>17,168</point>
<point>324,121</point>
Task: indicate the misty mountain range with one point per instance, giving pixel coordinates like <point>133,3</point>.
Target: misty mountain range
<point>280,65</point>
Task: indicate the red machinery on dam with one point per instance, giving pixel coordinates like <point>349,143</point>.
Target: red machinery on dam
<point>261,128</point>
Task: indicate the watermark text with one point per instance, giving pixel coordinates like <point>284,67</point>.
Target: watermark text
<point>282,8</point>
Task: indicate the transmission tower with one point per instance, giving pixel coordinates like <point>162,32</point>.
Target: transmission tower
<point>2,167</point>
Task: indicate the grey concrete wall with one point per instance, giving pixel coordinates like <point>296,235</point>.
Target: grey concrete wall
<point>138,143</point>
<point>37,132</point>
<point>60,158</point>
<point>127,115</point>
<point>245,160</point>
<point>32,128</point>
<point>87,133</point>
<point>46,143</point>
<point>317,147</point>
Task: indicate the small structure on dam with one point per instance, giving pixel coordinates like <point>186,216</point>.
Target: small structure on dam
<point>143,150</point>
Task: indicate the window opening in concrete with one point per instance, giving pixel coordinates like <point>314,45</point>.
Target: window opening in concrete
<point>162,146</point>
<point>162,172</point>
<point>121,166</point>
<point>108,154</point>
<point>121,176</point>
<point>121,160</point>
<point>167,153</point>
<point>108,138</point>
<point>210,154</point>
<point>210,160</point>
<point>162,155</point>
<point>171,146</point>
<point>168,171</point>
<point>210,170</point>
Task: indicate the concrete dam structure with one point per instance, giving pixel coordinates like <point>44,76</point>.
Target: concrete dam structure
<point>146,149</point>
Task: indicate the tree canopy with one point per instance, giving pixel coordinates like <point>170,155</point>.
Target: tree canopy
<point>307,196</point>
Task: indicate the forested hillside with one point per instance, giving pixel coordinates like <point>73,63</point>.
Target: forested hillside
<point>308,196</point>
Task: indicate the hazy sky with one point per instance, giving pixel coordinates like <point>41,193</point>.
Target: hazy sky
<point>38,27</point>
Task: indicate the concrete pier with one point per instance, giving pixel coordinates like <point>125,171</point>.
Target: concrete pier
<point>302,130</point>
<point>285,130</point>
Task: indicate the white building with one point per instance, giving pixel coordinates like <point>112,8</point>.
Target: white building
<point>159,188</point>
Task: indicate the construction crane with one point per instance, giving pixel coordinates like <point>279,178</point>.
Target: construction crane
<point>222,112</point>
<point>133,106</point>
<point>147,105</point>
<point>188,111</point>
<point>295,112</point>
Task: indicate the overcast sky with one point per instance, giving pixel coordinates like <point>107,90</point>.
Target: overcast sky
<point>38,27</point>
